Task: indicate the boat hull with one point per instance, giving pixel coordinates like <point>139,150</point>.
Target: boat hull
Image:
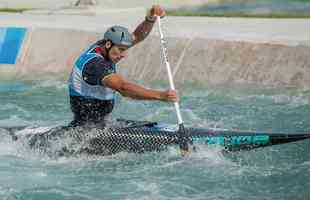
<point>143,137</point>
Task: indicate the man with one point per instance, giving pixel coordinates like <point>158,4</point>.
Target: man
<point>94,80</point>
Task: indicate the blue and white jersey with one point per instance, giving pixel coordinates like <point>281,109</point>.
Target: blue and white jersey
<point>79,87</point>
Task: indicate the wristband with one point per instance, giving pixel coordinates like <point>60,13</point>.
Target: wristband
<point>150,19</point>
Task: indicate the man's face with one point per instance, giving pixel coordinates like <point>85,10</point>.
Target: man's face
<point>117,52</point>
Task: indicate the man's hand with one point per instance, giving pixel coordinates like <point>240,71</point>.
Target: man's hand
<point>155,11</point>
<point>170,95</point>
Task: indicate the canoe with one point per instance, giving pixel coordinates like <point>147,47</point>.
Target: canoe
<point>139,137</point>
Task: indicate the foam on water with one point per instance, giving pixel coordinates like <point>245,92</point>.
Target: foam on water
<point>291,101</point>
<point>281,99</point>
<point>208,173</point>
<point>10,108</point>
<point>6,144</point>
<point>19,121</point>
<point>57,84</point>
<point>148,176</point>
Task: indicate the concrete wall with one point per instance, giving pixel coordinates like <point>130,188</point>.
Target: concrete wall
<point>50,53</point>
<point>217,62</point>
<point>205,50</point>
<point>11,40</point>
<point>47,53</point>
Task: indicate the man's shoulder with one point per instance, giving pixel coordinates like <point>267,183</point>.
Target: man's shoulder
<point>101,61</point>
<point>96,69</point>
<point>99,64</point>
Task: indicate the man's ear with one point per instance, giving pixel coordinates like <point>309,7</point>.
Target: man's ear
<point>133,37</point>
<point>108,44</point>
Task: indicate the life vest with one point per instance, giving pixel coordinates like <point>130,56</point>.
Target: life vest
<point>79,87</point>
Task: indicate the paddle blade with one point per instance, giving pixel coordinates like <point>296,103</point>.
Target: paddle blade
<point>183,140</point>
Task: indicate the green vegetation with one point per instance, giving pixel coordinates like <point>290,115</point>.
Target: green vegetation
<point>13,10</point>
<point>240,14</point>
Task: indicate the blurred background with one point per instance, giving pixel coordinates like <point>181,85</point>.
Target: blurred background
<point>232,8</point>
<point>255,8</point>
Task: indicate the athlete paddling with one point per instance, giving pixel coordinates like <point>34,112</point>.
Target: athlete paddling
<point>94,79</point>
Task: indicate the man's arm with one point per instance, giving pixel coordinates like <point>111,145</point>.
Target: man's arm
<point>144,28</point>
<point>127,89</point>
<point>142,31</point>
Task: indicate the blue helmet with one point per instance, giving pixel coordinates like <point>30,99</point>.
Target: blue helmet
<point>119,35</point>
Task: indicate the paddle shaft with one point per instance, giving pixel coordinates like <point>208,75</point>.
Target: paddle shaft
<point>165,56</point>
<point>183,138</point>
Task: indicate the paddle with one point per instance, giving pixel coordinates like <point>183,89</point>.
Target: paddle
<point>183,138</point>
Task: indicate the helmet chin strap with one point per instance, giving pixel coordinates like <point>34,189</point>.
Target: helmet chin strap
<point>108,51</point>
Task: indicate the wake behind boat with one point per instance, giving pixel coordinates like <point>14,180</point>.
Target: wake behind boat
<point>139,137</point>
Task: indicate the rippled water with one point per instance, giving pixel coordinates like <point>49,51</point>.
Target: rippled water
<point>279,172</point>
